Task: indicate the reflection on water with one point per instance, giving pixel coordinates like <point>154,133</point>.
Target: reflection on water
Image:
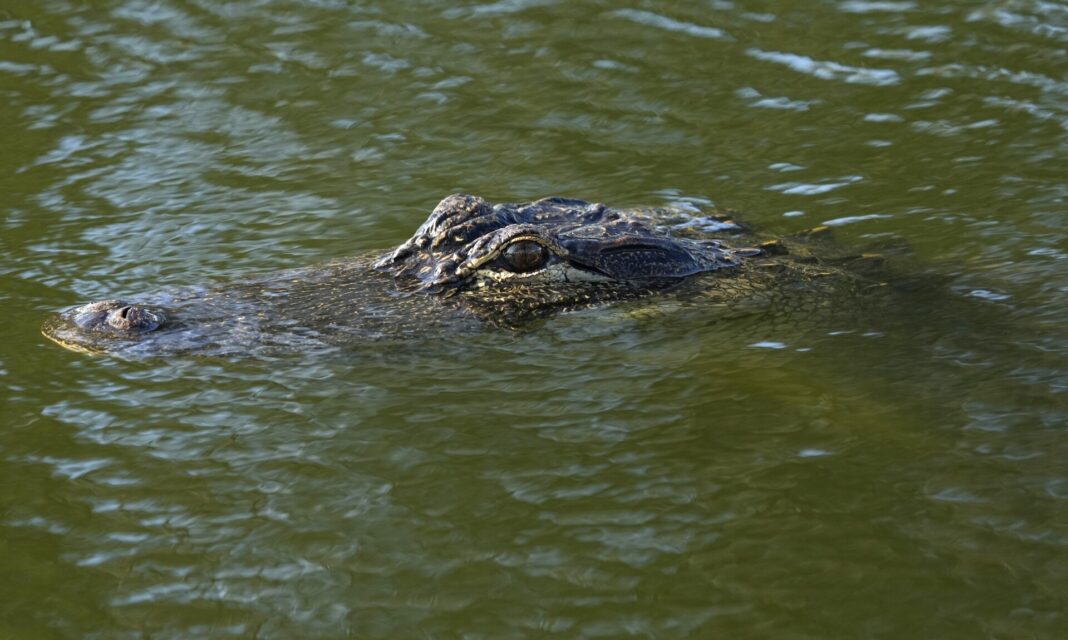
<point>642,471</point>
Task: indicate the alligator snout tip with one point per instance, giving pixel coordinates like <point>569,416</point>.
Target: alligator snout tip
<point>118,315</point>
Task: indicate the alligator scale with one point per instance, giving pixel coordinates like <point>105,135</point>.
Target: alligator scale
<point>471,263</point>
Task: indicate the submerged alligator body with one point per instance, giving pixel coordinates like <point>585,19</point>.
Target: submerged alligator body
<point>469,264</point>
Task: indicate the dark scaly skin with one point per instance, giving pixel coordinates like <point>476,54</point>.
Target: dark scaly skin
<point>469,264</point>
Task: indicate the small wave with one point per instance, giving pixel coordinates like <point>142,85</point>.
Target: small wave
<point>651,19</point>
<point>837,222</point>
<point>502,7</point>
<point>858,6</point>
<point>827,70</point>
<point>809,189</point>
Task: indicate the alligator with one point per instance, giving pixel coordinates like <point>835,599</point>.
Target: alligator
<point>471,264</point>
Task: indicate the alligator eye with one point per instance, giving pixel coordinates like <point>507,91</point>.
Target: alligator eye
<point>524,256</point>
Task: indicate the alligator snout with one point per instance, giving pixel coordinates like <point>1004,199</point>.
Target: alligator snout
<point>118,316</point>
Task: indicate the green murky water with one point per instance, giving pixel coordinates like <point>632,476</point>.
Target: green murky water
<point>604,475</point>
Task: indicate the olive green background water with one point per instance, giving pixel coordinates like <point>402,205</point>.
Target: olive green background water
<point>604,474</point>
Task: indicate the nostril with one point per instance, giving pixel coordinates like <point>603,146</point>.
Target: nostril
<point>128,317</point>
<point>121,316</point>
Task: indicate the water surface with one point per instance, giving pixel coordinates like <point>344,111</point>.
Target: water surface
<point>609,473</point>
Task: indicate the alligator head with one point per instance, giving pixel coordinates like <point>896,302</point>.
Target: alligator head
<point>504,263</point>
<point>511,261</point>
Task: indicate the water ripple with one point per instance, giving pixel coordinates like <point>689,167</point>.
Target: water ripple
<point>651,19</point>
<point>827,70</point>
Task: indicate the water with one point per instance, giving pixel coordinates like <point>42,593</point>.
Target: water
<point>607,474</point>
